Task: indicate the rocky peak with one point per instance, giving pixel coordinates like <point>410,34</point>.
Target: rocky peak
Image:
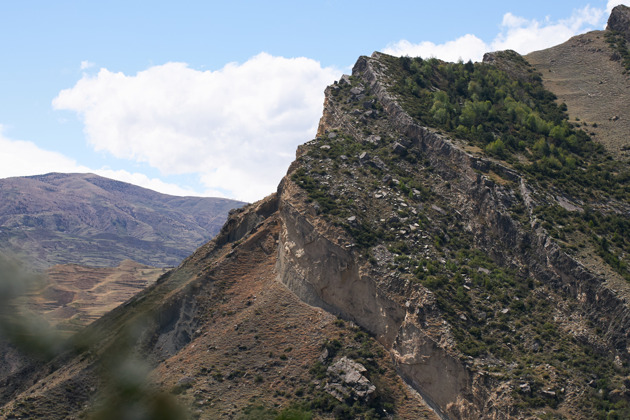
<point>619,20</point>
<point>510,62</point>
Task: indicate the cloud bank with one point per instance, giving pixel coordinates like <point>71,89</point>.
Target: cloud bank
<point>516,33</point>
<point>237,128</point>
<point>23,158</point>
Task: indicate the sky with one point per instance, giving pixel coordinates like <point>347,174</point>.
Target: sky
<point>211,98</point>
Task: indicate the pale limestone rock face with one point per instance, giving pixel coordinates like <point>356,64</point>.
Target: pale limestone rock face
<point>347,380</point>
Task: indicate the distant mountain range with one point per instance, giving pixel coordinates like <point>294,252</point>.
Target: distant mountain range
<point>90,220</point>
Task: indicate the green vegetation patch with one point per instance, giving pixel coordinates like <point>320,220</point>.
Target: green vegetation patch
<point>619,45</point>
<point>512,118</point>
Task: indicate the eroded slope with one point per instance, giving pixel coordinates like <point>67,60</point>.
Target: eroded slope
<point>226,339</point>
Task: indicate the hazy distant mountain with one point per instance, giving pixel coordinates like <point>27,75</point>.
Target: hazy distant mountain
<point>87,219</point>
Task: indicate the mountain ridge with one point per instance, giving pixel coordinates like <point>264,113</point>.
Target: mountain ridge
<point>479,260</point>
<point>91,220</point>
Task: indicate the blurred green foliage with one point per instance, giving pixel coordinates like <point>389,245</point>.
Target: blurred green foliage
<point>124,390</point>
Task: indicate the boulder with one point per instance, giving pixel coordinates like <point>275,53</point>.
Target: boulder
<point>345,79</point>
<point>357,90</point>
<point>346,380</point>
<point>399,149</point>
<point>373,139</point>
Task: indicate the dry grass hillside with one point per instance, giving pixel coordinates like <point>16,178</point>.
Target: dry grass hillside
<point>74,295</point>
<point>586,75</point>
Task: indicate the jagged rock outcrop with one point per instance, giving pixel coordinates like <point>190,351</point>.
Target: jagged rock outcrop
<point>619,20</point>
<point>346,380</point>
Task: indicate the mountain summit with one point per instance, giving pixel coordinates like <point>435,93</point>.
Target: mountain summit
<point>453,244</point>
<point>619,21</point>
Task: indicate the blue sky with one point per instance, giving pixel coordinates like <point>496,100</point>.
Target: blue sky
<point>212,98</point>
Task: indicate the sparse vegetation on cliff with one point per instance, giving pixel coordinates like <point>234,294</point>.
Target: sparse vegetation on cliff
<point>510,117</point>
<point>396,203</point>
<point>514,119</point>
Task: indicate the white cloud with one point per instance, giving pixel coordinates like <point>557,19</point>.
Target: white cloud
<point>237,127</point>
<point>24,158</point>
<point>465,47</point>
<point>86,64</point>
<point>525,36</point>
<point>516,33</point>
<point>154,184</point>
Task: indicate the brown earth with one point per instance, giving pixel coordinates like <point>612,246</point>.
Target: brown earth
<point>76,295</point>
<point>583,73</point>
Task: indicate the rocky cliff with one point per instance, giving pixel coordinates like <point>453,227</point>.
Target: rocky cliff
<point>473,196</point>
<point>451,245</point>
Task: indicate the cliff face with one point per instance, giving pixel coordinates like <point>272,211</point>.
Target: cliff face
<point>478,268</point>
<point>326,267</point>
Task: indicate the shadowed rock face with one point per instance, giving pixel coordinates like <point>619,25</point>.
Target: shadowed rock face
<point>619,20</point>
